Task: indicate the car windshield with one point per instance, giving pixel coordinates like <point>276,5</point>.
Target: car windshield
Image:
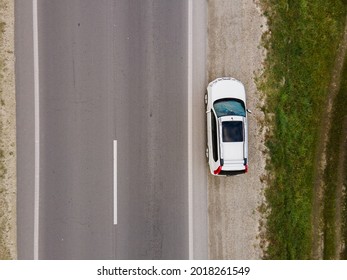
<point>229,107</point>
<point>232,131</point>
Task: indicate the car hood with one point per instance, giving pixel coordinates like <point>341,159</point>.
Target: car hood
<point>227,88</point>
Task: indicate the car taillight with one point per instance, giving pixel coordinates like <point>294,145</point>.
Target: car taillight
<point>246,168</point>
<point>218,170</point>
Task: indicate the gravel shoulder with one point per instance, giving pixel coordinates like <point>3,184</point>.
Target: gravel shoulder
<point>235,222</point>
<point>7,133</point>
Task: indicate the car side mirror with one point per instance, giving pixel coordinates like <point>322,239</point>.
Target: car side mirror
<point>249,111</point>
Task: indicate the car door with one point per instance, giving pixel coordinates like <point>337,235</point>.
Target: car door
<point>212,139</point>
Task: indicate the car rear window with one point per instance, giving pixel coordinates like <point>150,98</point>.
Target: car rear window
<point>229,107</point>
<point>232,131</point>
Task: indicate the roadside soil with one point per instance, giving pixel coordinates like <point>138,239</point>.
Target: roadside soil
<point>320,163</point>
<point>7,133</point>
<point>235,221</point>
<point>340,193</point>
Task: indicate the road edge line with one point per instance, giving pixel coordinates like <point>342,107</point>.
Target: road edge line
<point>37,132</point>
<point>115,212</point>
<point>190,132</point>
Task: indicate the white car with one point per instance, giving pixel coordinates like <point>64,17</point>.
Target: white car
<point>227,131</point>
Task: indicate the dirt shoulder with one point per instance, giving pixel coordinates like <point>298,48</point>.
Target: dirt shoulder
<point>7,133</point>
<point>234,36</point>
<point>340,194</point>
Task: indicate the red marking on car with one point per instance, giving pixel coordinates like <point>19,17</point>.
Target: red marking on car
<point>218,170</point>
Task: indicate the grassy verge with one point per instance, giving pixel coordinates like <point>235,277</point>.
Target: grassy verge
<point>301,51</point>
<point>334,149</point>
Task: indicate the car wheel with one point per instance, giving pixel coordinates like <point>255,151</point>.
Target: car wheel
<point>206,152</point>
<point>206,98</point>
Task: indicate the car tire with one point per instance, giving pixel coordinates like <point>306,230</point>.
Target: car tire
<point>206,98</point>
<point>206,152</point>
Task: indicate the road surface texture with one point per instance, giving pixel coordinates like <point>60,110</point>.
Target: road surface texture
<point>117,70</point>
<point>234,34</point>
<point>112,70</point>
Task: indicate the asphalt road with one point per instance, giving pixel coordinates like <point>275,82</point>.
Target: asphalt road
<point>112,70</point>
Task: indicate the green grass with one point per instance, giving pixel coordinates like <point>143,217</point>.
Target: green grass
<point>331,175</point>
<point>301,52</point>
